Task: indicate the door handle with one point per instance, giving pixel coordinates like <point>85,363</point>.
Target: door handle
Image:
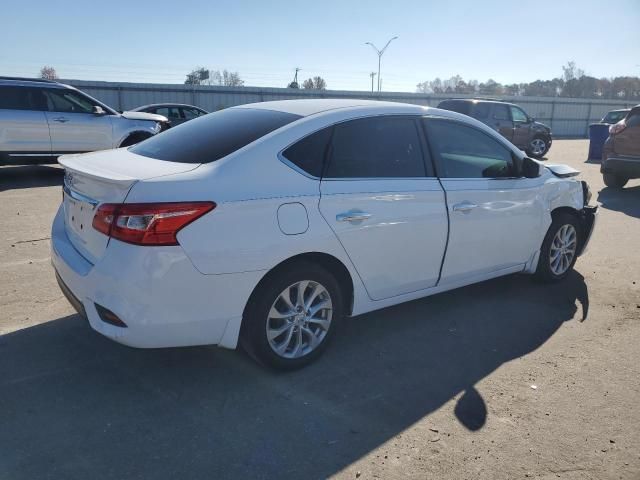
<point>61,119</point>
<point>464,207</point>
<point>352,216</point>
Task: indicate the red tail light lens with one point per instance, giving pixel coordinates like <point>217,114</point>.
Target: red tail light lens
<point>617,127</point>
<point>148,223</point>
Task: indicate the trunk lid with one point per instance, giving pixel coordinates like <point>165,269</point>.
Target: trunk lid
<point>103,177</point>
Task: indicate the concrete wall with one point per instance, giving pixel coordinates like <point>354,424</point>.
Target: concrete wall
<point>567,117</point>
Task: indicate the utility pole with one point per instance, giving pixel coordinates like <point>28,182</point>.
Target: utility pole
<point>372,74</point>
<point>380,53</point>
<point>295,77</point>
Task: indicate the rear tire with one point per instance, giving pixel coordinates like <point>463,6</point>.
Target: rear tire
<point>614,181</point>
<point>560,248</point>
<point>292,316</point>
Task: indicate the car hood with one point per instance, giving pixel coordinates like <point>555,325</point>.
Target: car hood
<point>144,116</point>
<point>541,126</point>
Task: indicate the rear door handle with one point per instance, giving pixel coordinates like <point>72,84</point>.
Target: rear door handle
<point>464,207</point>
<point>61,119</point>
<point>352,216</point>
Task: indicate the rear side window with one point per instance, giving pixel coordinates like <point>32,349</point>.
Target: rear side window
<point>376,147</point>
<point>462,151</point>
<point>211,137</point>
<point>308,154</point>
<point>21,98</point>
<point>501,112</point>
<point>460,107</point>
<point>481,110</point>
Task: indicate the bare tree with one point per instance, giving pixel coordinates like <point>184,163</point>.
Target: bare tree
<point>48,73</point>
<point>315,83</point>
<point>198,76</point>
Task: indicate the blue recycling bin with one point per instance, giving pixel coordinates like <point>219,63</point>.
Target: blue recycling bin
<point>598,133</point>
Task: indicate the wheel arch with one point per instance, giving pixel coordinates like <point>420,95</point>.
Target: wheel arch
<point>137,135</point>
<point>327,261</point>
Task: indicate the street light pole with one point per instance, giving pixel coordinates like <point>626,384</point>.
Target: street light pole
<point>380,53</point>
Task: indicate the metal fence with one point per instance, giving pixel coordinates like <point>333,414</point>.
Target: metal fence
<point>567,117</point>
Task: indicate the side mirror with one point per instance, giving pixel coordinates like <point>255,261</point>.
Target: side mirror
<point>98,110</point>
<point>531,168</point>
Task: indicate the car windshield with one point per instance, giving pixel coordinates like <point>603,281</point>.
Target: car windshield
<point>614,117</point>
<point>211,137</point>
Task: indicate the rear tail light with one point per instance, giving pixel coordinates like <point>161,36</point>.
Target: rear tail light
<point>148,223</point>
<point>617,127</point>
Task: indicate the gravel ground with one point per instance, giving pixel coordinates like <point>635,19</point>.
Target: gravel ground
<point>505,379</point>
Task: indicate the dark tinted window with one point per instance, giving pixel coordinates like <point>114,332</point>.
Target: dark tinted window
<point>481,110</point>
<point>456,106</point>
<point>21,98</point>
<point>501,112</point>
<point>633,120</point>
<point>213,136</point>
<point>191,113</point>
<point>376,147</point>
<point>308,154</point>
<point>465,152</point>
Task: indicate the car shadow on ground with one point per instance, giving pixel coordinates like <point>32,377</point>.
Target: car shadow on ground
<point>29,176</point>
<point>626,200</point>
<point>76,405</point>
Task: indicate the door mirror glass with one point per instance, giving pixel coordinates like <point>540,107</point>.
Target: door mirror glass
<point>98,110</point>
<point>531,168</point>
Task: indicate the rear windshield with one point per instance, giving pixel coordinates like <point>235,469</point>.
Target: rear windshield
<point>211,137</point>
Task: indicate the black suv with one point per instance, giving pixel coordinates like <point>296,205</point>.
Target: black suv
<point>509,120</point>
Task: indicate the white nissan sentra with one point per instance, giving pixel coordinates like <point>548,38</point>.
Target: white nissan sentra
<point>266,224</point>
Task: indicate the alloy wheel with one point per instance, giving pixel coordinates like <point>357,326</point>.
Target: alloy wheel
<point>538,146</point>
<point>563,249</point>
<point>299,319</point>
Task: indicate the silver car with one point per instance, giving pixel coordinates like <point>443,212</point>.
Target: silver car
<point>42,119</point>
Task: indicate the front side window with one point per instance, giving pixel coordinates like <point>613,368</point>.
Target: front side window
<point>462,151</point>
<point>376,147</point>
<point>67,101</point>
<point>501,112</point>
<point>172,113</point>
<point>518,115</point>
<point>211,137</point>
<point>191,113</point>
<point>633,120</point>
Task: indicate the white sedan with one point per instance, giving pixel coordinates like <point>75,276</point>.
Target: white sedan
<point>268,223</point>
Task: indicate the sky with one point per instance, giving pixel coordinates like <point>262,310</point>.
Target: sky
<point>160,41</point>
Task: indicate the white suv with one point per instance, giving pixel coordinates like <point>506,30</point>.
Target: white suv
<point>41,119</point>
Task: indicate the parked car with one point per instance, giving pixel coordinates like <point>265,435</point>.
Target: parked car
<point>621,151</point>
<point>42,119</point>
<point>614,116</point>
<point>177,113</point>
<point>509,120</point>
<point>267,223</point>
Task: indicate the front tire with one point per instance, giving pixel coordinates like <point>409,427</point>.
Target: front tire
<point>538,147</point>
<point>614,181</point>
<point>560,248</point>
<point>292,316</point>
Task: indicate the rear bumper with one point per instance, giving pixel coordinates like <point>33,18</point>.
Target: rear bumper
<point>588,216</point>
<point>155,291</point>
<point>628,167</point>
